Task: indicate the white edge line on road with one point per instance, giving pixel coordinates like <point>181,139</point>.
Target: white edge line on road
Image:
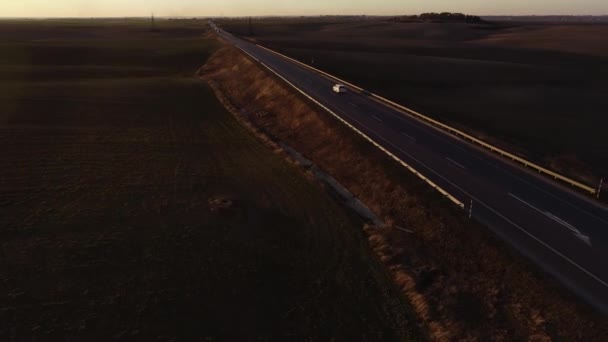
<point>455,163</point>
<point>427,130</point>
<point>446,128</point>
<point>377,118</point>
<point>549,215</point>
<point>453,199</point>
<point>567,225</point>
<point>564,223</point>
<point>526,203</point>
<point>547,192</point>
<point>407,166</point>
<point>426,124</point>
<point>581,268</point>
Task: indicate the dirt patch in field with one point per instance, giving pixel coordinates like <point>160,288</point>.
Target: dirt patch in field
<point>462,283</point>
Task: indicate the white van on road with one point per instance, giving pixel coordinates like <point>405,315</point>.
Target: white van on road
<point>339,88</point>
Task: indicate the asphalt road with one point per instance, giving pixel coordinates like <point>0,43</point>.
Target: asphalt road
<point>564,232</point>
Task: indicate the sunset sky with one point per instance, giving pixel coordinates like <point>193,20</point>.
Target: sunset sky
<point>90,8</point>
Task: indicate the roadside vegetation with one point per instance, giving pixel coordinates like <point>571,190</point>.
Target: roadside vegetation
<point>537,90</point>
<point>462,283</point>
<point>134,207</point>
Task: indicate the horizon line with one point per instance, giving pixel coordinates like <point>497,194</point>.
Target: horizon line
<point>294,16</point>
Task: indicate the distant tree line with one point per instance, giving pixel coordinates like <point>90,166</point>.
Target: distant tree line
<point>442,17</point>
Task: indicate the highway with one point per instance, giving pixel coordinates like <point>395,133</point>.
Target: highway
<point>564,232</point>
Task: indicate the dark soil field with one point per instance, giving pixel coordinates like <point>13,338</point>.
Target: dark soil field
<point>536,89</point>
<point>134,207</point>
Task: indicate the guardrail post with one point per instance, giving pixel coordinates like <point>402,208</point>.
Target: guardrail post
<point>471,209</point>
<point>599,188</point>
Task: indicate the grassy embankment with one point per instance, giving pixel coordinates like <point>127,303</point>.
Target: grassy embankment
<point>461,281</point>
<point>113,157</point>
<point>537,90</point>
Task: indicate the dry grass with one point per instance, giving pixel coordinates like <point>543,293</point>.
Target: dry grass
<point>462,283</point>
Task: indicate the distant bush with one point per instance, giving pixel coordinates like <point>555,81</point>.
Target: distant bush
<point>441,17</point>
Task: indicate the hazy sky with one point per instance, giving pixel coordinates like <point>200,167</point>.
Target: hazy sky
<point>89,8</point>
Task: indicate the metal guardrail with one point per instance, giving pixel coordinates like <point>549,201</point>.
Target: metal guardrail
<point>450,129</point>
<point>365,136</point>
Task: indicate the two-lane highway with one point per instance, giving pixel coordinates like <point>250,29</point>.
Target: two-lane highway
<point>564,232</point>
